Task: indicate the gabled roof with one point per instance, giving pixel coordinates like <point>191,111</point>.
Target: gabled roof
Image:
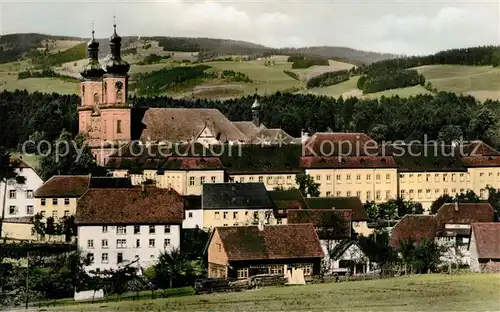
<point>186,124</point>
<point>235,196</point>
<point>248,128</point>
<point>481,161</point>
<point>130,206</point>
<point>415,227</point>
<point>487,238</point>
<point>349,203</point>
<point>421,158</point>
<point>243,243</point>
<point>464,213</point>
<point>342,247</point>
<point>339,143</point>
<point>477,149</point>
<point>64,186</point>
<point>19,163</point>
<point>287,199</point>
<point>329,221</point>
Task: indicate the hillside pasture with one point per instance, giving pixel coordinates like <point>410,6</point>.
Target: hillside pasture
<point>55,46</point>
<point>346,89</point>
<point>312,71</point>
<point>401,92</point>
<point>469,292</point>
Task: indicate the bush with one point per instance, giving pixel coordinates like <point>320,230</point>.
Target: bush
<point>292,74</point>
<point>303,61</point>
<point>153,58</point>
<point>235,76</point>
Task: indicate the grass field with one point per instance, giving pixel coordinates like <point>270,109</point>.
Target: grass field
<point>401,92</point>
<point>416,293</point>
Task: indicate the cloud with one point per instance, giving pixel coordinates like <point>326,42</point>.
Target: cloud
<point>391,26</point>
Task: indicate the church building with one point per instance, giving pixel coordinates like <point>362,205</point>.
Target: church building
<point>110,121</point>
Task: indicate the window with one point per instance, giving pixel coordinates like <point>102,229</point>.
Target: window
<point>66,201</point>
<point>29,194</point>
<point>137,243</point>
<point>12,210</point>
<point>119,258</point>
<point>338,193</point>
<point>105,229</point>
<point>191,181</point>
<point>90,257</point>
<point>276,269</point>
<point>411,177</point>
<point>348,178</point>
<point>368,195</point>
<point>411,194</point>
<point>29,209</point>
<point>445,177</point>
<point>339,178</point>
<point>436,177</point>
<point>428,193</point>
<point>445,191</point>
<point>42,201</point>
<point>348,194</point>
<point>402,194</point>
<point>419,178</point>
<point>358,178</point>
<point>269,180</point>
<point>368,177</point>
<point>328,193</point>
<point>481,176</point>
<point>66,213</point>
<point>250,179</point>
<point>288,179</point>
<point>202,180</point>
<point>167,242</point>
<point>152,229</point>
<point>436,191</point>
<point>121,243</point>
<point>212,179</point>
<point>377,195</point>
<point>225,213</point>
<point>90,243</point>
<point>167,229</point>
<point>242,179</point>
<point>104,243</point>
<point>453,177</point>
<point>190,214</point>
<point>137,229</point>
<point>462,177</point>
<point>261,179</point>
<point>388,177</point>
<point>235,215</point>
<point>420,192</point>
<point>118,126</point>
<point>387,194</point>
<point>54,213</point>
<point>218,246</point>
<point>427,178</point>
<point>104,258</point>
<point>54,201</point>
<point>358,194</point>
<point>318,178</point>
<point>225,224</point>
<point>151,243</point>
<point>462,191</point>
<point>453,191</point>
<point>217,215</point>
<point>243,273</point>
<point>328,179</point>
<point>12,194</point>
<point>120,229</point>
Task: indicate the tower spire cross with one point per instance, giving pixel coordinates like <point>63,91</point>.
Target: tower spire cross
<point>93,31</point>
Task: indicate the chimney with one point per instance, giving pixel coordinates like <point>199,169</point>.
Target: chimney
<point>456,206</point>
<point>261,225</point>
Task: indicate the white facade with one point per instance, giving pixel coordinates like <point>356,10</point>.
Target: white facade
<point>19,198</point>
<point>112,246</point>
<point>193,218</point>
<point>351,252</point>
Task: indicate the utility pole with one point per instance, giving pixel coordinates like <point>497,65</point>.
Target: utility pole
<point>27,277</point>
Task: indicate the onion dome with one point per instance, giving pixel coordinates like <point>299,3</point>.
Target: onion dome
<point>93,70</point>
<point>115,65</point>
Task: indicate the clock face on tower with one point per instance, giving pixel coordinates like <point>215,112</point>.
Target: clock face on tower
<point>119,85</point>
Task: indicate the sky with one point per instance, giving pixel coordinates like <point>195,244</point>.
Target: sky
<point>400,27</point>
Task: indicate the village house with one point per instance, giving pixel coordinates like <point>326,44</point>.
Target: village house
<point>19,203</point>
<point>235,204</point>
<point>243,251</point>
<point>119,225</point>
<point>485,247</point>
<point>58,196</point>
<point>450,228</point>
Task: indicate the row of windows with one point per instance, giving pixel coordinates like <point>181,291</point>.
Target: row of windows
<point>445,177</point>
<point>55,201</point>
<point>105,258</point>
<point>378,194</point>
<point>121,229</point>
<point>226,215</point>
<point>122,243</point>
<point>359,179</point>
<point>201,180</point>
<point>13,194</point>
<point>13,210</point>
<point>428,193</point>
<point>55,213</point>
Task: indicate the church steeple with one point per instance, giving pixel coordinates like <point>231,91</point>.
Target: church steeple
<point>93,70</point>
<point>256,111</point>
<point>116,65</point>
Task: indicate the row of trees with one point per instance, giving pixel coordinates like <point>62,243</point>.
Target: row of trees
<point>328,79</point>
<point>306,61</point>
<point>392,209</point>
<point>375,81</point>
<point>468,197</point>
<point>22,113</point>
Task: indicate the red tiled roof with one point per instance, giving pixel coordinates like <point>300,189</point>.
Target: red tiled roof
<point>487,238</point>
<point>273,242</point>
<point>324,218</point>
<point>479,148</point>
<point>333,143</point>
<point>193,163</point>
<point>416,227</point>
<point>348,162</point>
<point>467,213</point>
<point>343,203</point>
<point>481,161</point>
<point>130,206</point>
<point>64,186</point>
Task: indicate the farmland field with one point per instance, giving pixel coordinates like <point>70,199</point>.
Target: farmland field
<point>468,292</point>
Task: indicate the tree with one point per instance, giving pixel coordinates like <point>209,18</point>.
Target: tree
<point>379,132</point>
<point>307,186</point>
<point>450,133</point>
<point>372,210</point>
<point>388,210</point>
<point>468,197</point>
<point>406,250</point>
<point>377,248</point>
<point>495,58</point>
<point>8,174</point>
<point>175,269</point>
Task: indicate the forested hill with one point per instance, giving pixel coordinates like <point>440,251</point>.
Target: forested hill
<point>15,47</point>
<point>484,55</point>
<point>445,115</point>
